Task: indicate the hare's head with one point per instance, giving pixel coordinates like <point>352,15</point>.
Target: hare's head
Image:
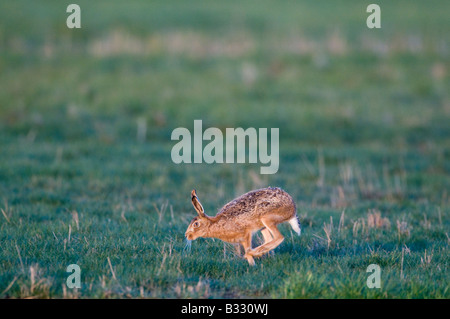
<point>200,224</point>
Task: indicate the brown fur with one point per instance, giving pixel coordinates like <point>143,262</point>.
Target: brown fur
<point>261,209</point>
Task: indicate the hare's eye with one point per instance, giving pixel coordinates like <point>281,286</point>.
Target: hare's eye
<point>196,224</point>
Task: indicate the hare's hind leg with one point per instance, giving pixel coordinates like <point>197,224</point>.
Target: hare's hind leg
<point>272,243</point>
<point>266,235</point>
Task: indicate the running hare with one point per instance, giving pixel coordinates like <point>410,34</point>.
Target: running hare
<point>261,209</point>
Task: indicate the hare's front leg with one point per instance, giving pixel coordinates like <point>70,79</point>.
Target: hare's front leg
<point>247,244</point>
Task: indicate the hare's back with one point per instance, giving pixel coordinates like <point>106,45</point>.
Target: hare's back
<point>259,202</point>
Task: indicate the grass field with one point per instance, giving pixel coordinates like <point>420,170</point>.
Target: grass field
<point>86,117</point>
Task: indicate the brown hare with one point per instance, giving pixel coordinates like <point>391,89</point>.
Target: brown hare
<point>261,209</point>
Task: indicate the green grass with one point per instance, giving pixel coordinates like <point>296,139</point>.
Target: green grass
<point>364,132</point>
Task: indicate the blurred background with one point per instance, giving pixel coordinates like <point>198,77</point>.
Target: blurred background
<point>86,114</point>
<point>104,98</point>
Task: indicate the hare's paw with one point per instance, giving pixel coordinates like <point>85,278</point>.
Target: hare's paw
<point>265,248</point>
<point>250,259</point>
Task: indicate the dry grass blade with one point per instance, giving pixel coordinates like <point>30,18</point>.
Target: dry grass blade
<point>403,229</point>
<point>161,210</point>
<point>374,220</point>
<point>111,268</point>
<point>9,286</point>
<point>122,215</point>
<point>426,259</point>
<point>76,219</point>
<point>162,264</point>
<point>33,271</point>
<point>70,232</point>
<point>20,258</point>
<point>341,222</point>
<point>328,228</point>
<point>6,216</point>
<point>401,264</point>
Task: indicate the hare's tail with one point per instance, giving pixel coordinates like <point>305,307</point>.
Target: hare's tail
<point>295,225</point>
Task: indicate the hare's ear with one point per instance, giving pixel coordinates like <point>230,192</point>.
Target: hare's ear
<point>198,207</point>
